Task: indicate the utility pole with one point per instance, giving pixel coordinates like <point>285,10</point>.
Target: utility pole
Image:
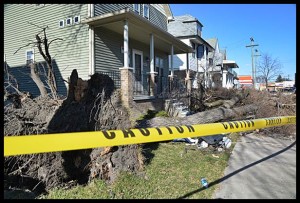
<point>252,56</point>
<point>255,55</point>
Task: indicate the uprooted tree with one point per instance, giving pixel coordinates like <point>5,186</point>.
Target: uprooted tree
<point>91,105</point>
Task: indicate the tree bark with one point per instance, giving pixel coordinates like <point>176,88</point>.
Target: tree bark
<point>215,103</point>
<point>47,57</point>
<point>226,103</point>
<point>36,78</point>
<point>209,116</point>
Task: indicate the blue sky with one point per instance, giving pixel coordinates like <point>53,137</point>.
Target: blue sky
<point>272,26</point>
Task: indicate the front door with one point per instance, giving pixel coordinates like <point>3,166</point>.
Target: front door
<point>138,70</point>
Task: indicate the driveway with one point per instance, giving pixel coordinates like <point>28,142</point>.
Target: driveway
<point>260,167</point>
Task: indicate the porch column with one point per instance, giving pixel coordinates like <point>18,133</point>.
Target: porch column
<point>171,67</point>
<point>126,41</point>
<point>187,78</point>
<point>152,72</point>
<point>91,42</point>
<point>172,61</point>
<point>224,78</point>
<point>126,73</point>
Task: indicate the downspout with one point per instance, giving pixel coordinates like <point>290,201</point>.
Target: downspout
<point>91,42</point>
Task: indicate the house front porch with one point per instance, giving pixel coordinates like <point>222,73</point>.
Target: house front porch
<point>128,43</point>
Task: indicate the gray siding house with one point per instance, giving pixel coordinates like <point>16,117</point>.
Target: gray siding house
<point>190,66</point>
<point>129,42</point>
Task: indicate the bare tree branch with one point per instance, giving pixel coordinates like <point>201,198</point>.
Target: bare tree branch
<point>35,25</point>
<point>25,46</point>
<point>53,41</point>
<point>39,42</point>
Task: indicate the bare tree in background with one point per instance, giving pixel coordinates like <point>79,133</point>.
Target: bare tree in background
<point>268,68</point>
<point>43,43</point>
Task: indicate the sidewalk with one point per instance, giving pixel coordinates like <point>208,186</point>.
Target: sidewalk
<point>260,167</point>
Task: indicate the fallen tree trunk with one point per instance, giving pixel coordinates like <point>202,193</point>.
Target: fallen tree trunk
<point>226,103</point>
<point>210,116</point>
<point>213,104</point>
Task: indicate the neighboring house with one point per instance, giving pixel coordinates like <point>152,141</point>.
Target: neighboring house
<point>221,71</point>
<point>229,74</point>
<point>129,42</point>
<point>215,65</point>
<point>188,66</point>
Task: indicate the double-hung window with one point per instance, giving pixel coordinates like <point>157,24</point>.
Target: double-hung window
<point>200,51</point>
<point>146,11</point>
<point>29,56</point>
<point>136,8</point>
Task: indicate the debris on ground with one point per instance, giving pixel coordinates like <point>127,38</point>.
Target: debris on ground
<point>218,141</point>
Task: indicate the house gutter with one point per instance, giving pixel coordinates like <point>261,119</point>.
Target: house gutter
<point>91,41</point>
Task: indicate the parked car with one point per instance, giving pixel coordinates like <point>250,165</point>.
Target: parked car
<point>289,90</point>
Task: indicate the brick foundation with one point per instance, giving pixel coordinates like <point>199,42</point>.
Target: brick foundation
<point>127,86</point>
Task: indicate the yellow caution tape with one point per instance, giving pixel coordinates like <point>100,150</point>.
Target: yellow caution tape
<point>30,144</point>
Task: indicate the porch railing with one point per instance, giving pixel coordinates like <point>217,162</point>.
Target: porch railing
<point>115,76</point>
<point>142,88</point>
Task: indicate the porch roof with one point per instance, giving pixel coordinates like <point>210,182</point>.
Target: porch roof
<point>139,29</point>
<point>231,63</point>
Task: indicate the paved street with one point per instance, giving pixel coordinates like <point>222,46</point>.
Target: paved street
<point>260,167</point>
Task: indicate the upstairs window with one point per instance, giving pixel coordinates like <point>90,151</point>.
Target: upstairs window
<point>76,19</point>
<point>199,29</point>
<point>29,56</point>
<point>194,46</point>
<point>69,21</point>
<point>200,51</point>
<point>136,8</point>
<point>61,23</point>
<point>146,11</point>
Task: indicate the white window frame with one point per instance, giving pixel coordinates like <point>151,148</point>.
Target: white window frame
<point>148,13</point>
<point>139,8</point>
<point>26,59</point>
<point>60,22</point>
<point>39,5</point>
<point>78,19</point>
<point>67,21</point>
